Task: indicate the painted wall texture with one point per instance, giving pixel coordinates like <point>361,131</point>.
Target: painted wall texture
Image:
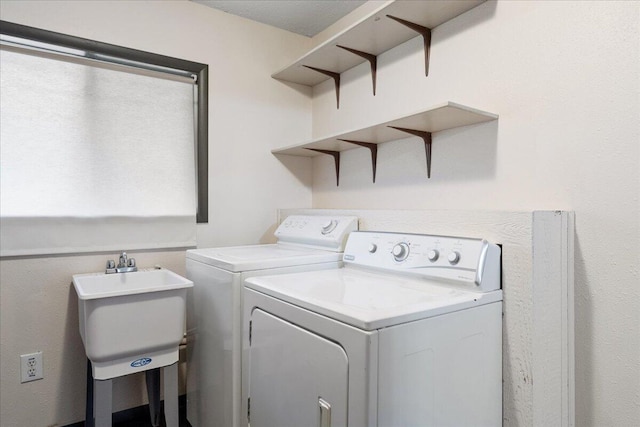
<point>249,113</point>
<point>563,76</point>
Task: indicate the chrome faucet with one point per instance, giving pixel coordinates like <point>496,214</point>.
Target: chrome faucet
<point>123,260</point>
<point>125,265</point>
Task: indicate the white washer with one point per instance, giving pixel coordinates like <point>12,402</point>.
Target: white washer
<point>407,333</point>
<point>214,311</point>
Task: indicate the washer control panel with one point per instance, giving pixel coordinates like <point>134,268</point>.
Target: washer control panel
<point>468,261</point>
<point>317,231</point>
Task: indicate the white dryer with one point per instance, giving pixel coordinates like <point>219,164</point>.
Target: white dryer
<point>407,333</point>
<point>214,311</point>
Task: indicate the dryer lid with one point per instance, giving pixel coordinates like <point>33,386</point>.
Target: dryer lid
<point>369,300</point>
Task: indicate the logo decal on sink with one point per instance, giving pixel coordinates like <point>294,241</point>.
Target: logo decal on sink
<point>141,362</point>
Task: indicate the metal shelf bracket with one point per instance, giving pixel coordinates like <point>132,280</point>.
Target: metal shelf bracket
<point>336,159</point>
<point>426,137</point>
<point>374,153</point>
<point>426,37</point>
<point>334,76</point>
<point>373,61</point>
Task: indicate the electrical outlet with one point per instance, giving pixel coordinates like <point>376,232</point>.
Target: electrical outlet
<point>32,368</point>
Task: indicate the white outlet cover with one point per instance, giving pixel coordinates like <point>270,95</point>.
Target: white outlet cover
<point>31,367</point>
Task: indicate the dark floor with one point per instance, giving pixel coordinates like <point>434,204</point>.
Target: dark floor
<point>142,419</point>
<point>146,422</point>
<point>139,417</point>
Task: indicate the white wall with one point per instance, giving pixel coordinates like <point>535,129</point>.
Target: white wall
<point>249,113</point>
<point>563,76</point>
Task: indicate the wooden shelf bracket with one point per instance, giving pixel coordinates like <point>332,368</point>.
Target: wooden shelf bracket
<point>374,153</point>
<point>426,37</point>
<point>373,61</point>
<point>334,76</point>
<point>336,159</point>
<point>426,137</point>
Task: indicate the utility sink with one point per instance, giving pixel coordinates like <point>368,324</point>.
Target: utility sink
<point>131,322</point>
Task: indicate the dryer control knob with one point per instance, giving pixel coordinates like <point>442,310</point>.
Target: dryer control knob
<point>400,251</point>
<point>372,247</point>
<point>453,257</point>
<point>329,226</point>
<point>433,255</point>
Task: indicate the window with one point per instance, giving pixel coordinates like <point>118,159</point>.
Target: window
<point>101,147</point>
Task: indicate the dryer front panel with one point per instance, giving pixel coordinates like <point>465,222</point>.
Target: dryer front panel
<point>296,378</point>
<point>443,371</point>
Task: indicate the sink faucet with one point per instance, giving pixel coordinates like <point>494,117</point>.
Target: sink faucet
<point>125,265</point>
<point>123,260</point>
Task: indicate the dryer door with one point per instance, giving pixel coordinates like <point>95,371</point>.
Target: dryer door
<point>296,378</point>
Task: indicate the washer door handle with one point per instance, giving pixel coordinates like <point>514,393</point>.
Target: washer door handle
<point>325,412</point>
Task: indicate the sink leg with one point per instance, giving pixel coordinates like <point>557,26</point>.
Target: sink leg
<point>171,395</point>
<point>152,377</point>
<point>89,402</point>
<point>102,402</point>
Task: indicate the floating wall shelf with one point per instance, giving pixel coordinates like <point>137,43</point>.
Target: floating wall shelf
<point>423,124</point>
<point>390,25</point>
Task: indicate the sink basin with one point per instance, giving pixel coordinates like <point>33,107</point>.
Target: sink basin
<point>131,322</point>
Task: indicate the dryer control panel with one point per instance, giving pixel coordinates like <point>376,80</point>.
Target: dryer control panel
<point>472,263</point>
<point>317,231</point>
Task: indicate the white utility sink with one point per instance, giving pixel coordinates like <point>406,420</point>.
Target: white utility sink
<point>131,322</point>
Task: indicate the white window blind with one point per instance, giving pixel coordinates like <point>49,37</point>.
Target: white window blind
<point>93,158</point>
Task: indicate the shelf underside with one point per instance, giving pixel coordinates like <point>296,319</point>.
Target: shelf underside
<point>441,117</point>
<point>374,35</point>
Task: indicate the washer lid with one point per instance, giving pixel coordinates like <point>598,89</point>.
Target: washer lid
<point>261,257</point>
<point>368,300</point>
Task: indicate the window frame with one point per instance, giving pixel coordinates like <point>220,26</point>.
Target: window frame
<point>142,58</point>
